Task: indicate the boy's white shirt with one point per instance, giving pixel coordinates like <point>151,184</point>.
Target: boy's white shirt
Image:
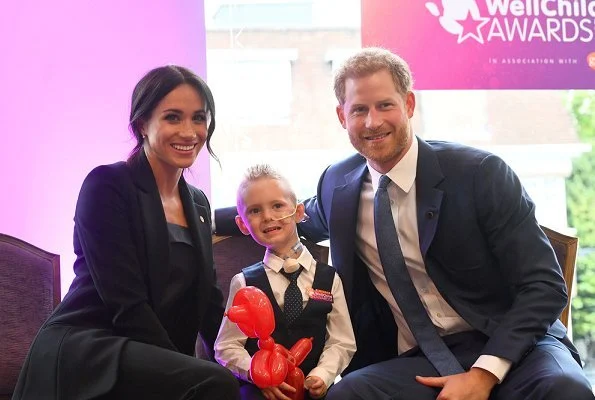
<point>339,345</point>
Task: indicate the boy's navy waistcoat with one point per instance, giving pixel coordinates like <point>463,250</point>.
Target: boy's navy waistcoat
<point>310,323</point>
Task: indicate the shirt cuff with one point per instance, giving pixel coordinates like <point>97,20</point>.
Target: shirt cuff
<point>244,370</point>
<point>496,365</point>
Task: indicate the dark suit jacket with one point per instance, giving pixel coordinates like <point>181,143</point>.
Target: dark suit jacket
<point>122,247</point>
<point>480,242</point>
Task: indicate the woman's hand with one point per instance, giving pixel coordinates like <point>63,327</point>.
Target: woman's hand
<point>276,392</point>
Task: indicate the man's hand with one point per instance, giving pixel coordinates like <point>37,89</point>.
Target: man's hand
<point>276,392</point>
<point>476,384</point>
<point>315,386</point>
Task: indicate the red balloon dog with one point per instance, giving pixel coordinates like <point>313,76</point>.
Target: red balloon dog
<point>272,364</point>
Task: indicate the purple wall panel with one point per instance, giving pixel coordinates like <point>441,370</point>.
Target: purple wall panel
<point>66,74</point>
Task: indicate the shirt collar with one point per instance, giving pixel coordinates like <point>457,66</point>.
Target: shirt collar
<point>403,174</point>
<point>274,262</point>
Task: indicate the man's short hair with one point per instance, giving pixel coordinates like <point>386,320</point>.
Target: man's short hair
<point>370,60</point>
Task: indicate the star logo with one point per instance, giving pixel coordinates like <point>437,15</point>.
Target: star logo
<point>459,17</point>
<point>471,28</point>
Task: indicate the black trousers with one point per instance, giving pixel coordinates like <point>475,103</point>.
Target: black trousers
<point>149,372</point>
<point>548,372</point>
<point>252,392</point>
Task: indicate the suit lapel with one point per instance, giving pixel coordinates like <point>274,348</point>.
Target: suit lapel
<point>429,198</point>
<point>155,227</point>
<point>200,230</point>
<point>343,218</point>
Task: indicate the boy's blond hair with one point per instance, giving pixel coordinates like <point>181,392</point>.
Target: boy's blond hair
<point>262,171</point>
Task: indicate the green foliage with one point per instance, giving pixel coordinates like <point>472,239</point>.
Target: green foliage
<point>580,197</point>
<point>582,106</point>
<point>580,192</point>
<point>583,305</point>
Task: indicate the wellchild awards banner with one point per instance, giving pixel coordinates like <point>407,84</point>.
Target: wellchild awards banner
<point>488,44</point>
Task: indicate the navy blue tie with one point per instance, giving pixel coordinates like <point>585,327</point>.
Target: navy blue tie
<point>292,303</point>
<point>402,288</point>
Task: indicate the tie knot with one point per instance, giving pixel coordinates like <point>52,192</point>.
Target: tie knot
<point>383,181</point>
<point>292,276</point>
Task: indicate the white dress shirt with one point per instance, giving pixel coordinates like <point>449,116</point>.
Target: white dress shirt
<point>339,345</point>
<point>402,192</point>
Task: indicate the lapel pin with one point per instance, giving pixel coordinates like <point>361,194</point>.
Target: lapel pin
<point>202,219</point>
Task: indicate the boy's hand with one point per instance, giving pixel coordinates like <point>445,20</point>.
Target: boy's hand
<point>276,392</point>
<point>316,386</point>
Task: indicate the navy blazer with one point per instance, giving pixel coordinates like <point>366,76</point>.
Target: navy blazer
<point>122,246</point>
<point>480,242</point>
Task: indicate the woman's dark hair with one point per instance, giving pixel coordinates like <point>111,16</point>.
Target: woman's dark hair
<point>153,87</point>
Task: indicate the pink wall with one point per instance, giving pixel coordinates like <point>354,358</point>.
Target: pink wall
<point>67,69</point>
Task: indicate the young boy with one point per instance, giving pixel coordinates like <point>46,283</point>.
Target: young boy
<point>268,211</point>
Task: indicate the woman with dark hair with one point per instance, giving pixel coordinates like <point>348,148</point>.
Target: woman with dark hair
<point>145,282</point>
